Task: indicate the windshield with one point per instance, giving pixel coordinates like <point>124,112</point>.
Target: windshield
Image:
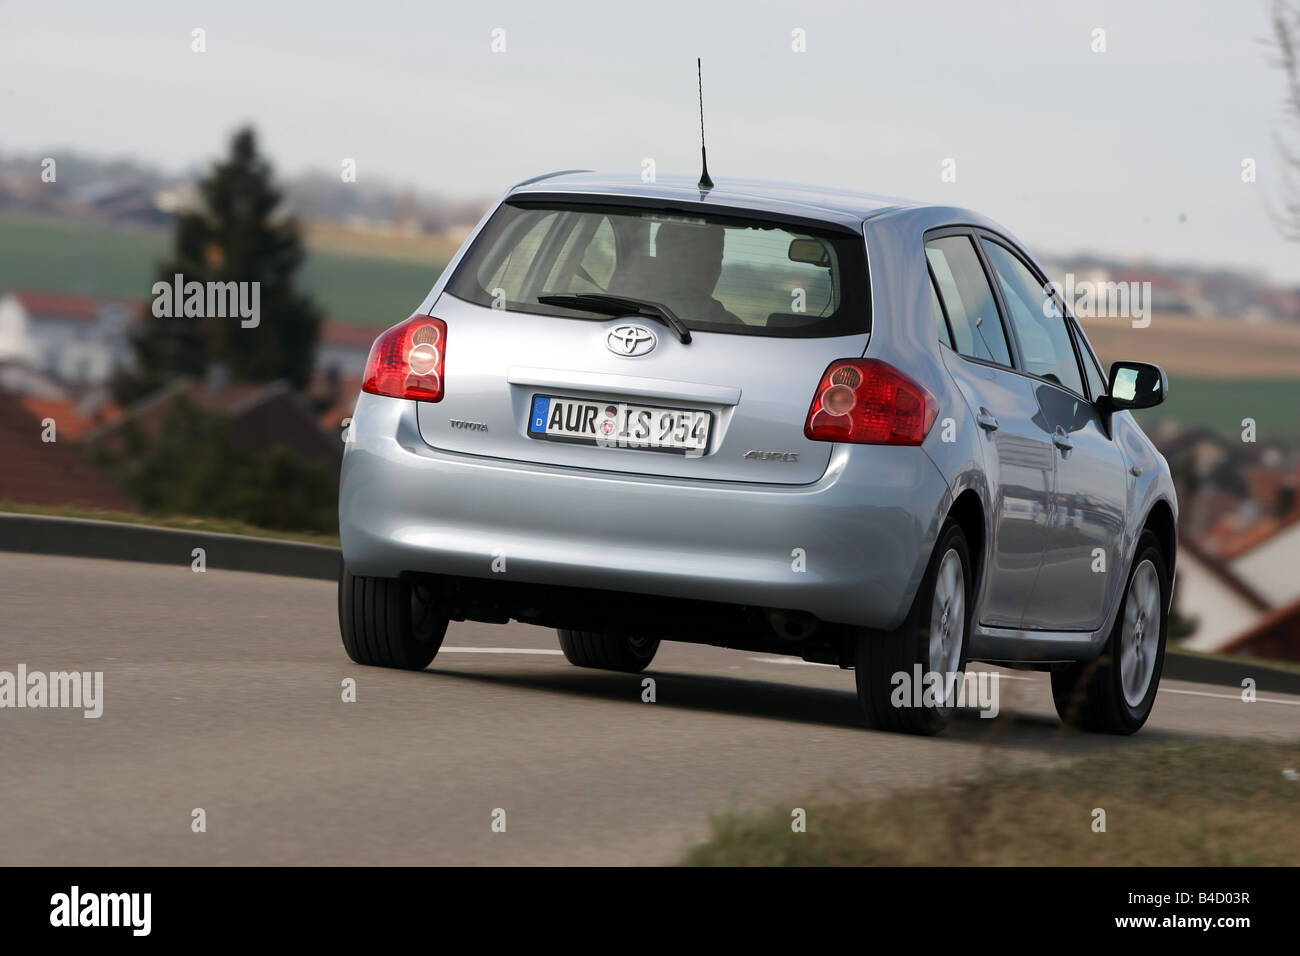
<point>718,273</point>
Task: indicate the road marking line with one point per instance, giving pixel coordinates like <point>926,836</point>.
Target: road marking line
<point>796,660</point>
<point>1237,697</point>
<point>498,650</point>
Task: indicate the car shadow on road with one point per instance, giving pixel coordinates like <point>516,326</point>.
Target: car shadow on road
<point>799,703</point>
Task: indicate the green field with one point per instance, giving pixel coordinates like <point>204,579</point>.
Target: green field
<point>101,259</point>
<point>1221,404</point>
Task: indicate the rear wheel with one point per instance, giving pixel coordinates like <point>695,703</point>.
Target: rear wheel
<point>389,622</point>
<point>931,641</point>
<point>1114,694</point>
<point>611,652</point>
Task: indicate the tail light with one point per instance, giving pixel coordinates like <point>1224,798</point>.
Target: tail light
<point>867,401</point>
<point>407,360</point>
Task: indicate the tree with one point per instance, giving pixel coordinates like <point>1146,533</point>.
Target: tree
<point>240,233</point>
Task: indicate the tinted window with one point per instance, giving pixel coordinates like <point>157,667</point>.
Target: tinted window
<point>972,311</point>
<point>718,273</point>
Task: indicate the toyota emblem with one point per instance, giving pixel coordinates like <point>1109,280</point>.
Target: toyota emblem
<point>630,340</point>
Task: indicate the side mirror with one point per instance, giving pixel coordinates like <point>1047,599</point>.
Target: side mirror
<point>1136,385</point>
<point>809,251</point>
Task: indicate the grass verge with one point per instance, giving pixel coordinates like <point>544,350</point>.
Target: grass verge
<point>1216,803</point>
<point>220,525</point>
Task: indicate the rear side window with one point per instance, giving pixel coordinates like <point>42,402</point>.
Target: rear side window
<point>972,310</point>
<point>718,273</point>
<point>1045,344</point>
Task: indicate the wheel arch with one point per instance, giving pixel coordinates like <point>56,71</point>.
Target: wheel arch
<point>1160,522</point>
<point>968,512</point>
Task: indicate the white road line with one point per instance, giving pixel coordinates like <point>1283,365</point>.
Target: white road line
<point>498,650</point>
<point>1237,697</point>
<point>796,660</point>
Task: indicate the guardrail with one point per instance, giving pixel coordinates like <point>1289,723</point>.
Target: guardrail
<point>119,541</point>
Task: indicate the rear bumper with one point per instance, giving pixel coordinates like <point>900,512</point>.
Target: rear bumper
<point>862,533</point>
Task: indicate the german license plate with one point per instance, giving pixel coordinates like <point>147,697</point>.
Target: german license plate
<point>619,424</point>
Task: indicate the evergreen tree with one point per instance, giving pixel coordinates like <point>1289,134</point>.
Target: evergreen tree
<point>239,234</point>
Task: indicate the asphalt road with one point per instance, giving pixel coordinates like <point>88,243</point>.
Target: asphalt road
<point>223,691</point>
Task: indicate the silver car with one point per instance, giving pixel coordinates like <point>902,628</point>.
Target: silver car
<point>856,430</point>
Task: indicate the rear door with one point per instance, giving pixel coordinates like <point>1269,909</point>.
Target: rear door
<point>1017,438</point>
<point>1085,525</point>
<point>769,303</point>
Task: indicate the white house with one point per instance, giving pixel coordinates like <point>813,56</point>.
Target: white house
<point>1272,567</point>
<point>81,341</point>
<point>76,339</point>
<point>1224,606</point>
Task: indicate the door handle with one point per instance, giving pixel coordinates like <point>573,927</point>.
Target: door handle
<point>986,420</point>
<point>1061,440</point>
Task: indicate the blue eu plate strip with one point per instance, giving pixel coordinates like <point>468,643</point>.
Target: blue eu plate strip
<point>541,408</point>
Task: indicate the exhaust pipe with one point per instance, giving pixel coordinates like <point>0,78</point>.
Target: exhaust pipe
<point>791,625</point>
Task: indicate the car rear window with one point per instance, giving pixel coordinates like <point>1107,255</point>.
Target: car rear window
<point>717,272</point>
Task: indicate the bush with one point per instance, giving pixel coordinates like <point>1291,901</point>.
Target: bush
<point>197,465</point>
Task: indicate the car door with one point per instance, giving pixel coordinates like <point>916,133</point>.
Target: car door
<point>1084,531</point>
<point>1018,452</point>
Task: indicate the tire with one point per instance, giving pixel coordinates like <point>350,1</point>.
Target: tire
<point>388,622</point>
<point>929,637</point>
<point>610,652</point>
<point>1101,697</point>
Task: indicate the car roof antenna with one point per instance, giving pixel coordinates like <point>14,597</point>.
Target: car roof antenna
<point>705,183</point>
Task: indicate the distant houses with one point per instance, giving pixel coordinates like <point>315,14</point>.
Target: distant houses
<point>76,339</point>
<point>343,348</point>
<point>264,414</point>
<point>81,341</point>
<point>59,353</point>
<point>38,472</point>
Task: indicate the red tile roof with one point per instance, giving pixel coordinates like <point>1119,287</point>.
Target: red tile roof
<point>70,421</point>
<point>48,473</point>
<point>63,305</point>
<point>1231,542</point>
<point>264,414</point>
<point>1274,637</point>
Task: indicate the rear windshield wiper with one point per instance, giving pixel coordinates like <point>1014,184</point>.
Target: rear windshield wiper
<point>603,304</point>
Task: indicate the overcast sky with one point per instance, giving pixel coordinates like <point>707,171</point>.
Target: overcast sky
<point>1135,151</point>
